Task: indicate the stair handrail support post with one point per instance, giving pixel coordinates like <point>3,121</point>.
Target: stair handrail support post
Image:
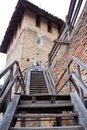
<point>68,75</point>
<point>49,78</point>
<point>80,89</point>
<point>28,75</point>
<point>8,99</point>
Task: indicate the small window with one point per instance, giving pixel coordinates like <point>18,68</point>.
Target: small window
<point>49,27</point>
<point>39,40</point>
<point>38,20</point>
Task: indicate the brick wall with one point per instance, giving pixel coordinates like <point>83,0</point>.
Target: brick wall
<point>32,51</point>
<point>24,47</point>
<point>29,20</point>
<point>78,47</point>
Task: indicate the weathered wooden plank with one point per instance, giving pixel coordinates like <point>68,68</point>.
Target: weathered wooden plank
<point>84,66</point>
<point>22,80</point>
<point>28,82</point>
<point>81,84</point>
<point>21,83</point>
<point>42,106</point>
<point>50,128</point>
<point>75,85</point>
<point>62,42</point>
<point>8,88</point>
<point>80,89</point>
<point>69,83</point>
<point>50,81</point>
<point>45,115</point>
<point>70,11</point>
<point>80,109</point>
<point>45,97</point>
<point>8,116</point>
<point>47,84</point>
<point>24,102</point>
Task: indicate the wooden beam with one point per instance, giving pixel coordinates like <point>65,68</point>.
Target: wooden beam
<point>80,82</point>
<point>8,116</point>
<point>80,109</point>
<point>47,84</point>
<point>71,9</point>
<point>8,88</point>
<point>50,128</point>
<point>45,115</point>
<point>28,75</point>
<point>62,42</point>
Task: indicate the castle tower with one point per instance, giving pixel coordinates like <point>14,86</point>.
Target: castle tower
<point>30,35</point>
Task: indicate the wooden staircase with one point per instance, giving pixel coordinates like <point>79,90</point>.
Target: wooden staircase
<point>37,83</point>
<point>39,109</point>
<point>43,112</point>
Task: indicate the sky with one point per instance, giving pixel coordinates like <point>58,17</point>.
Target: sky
<point>58,8</point>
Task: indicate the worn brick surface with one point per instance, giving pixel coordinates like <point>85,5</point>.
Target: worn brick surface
<point>24,45</point>
<point>78,47</point>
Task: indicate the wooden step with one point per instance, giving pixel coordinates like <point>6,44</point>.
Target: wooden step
<point>38,86</point>
<point>46,102</point>
<point>33,88</point>
<point>37,71</point>
<point>46,108</point>
<point>45,97</point>
<point>37,76</point>
<point>50,128</point>
<point>45,115</point>
<point>38,90</point>
<point>38,82</point>
<point>35,92</point>
<point>43,106</point>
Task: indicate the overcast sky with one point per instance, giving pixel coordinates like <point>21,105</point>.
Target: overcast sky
<point>58,8</point>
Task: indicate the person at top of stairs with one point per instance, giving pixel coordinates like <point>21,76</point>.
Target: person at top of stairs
<point>36,66</point>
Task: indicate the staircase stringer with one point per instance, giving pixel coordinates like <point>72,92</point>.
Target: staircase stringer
<point>47,84</point>
<point>10,111</point>
<point>80,109</point>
